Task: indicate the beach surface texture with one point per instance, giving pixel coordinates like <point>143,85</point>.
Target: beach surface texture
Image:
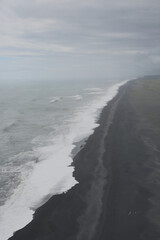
<point>118,170</point>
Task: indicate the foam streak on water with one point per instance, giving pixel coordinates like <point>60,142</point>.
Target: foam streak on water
<point>51,174</point>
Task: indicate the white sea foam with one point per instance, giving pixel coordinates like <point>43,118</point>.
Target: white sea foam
<point>95,92</point>
<point>51,175</point>
<point>55,99</point>
<point>76,97</point>
<point>93,89</point>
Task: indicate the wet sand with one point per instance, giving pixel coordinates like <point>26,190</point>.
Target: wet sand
<point>118,171</point>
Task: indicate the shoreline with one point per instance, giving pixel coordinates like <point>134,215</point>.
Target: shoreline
<point>83,177</point>
<point>114,199</point>
<point>12,219</point>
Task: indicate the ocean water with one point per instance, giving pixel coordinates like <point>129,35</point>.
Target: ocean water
<point>41,124</point>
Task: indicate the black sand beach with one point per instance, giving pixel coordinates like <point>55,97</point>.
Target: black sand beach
<point>118,170</point>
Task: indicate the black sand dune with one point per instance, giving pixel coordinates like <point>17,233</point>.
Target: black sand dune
<point>118,170</point>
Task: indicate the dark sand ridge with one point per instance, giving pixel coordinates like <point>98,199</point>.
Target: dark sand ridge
<point>117,197</point>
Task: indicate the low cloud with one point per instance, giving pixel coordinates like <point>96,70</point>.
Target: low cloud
<point>90,34</point>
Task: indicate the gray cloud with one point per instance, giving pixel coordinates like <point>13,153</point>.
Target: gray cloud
<point>88,38</point>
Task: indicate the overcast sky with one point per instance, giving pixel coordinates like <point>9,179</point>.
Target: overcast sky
<point>81,39</point>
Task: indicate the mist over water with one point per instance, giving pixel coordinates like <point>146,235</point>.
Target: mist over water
<point>40,124</point>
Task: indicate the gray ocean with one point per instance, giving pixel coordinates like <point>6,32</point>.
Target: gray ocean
<point>41,123</point>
